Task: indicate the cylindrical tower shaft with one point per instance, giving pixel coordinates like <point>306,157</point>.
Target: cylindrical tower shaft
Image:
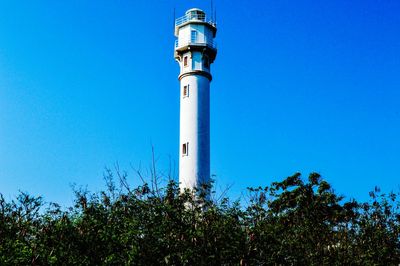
<point>195,51</point>
<point>194,164</point>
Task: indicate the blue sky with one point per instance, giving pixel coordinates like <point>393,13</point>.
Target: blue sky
<point>299,86</point>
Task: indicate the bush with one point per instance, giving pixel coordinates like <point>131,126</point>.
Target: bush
<point>292,222</point>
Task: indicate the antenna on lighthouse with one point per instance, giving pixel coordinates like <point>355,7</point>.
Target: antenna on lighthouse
<point>212,11</point>
<point>215,16</point>
<point>173,22</point>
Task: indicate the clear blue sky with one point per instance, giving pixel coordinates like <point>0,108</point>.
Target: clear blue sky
<point>298,86</point>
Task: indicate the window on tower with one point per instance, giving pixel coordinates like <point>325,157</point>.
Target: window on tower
<point>193,36</point>
<point>185,149</point>
<point>185,61</point>
<point>206,62</point>
<point>185,91</point>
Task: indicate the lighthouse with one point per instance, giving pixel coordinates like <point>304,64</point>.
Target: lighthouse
<point>195,51</point>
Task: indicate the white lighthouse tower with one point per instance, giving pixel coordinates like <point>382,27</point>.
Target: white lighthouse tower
<point>195,51</point>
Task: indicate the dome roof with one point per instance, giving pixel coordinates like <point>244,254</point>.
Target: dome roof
<point>194,10</point>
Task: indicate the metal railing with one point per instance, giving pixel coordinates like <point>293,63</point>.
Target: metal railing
<point>209,43</point>
<point>190,17</point>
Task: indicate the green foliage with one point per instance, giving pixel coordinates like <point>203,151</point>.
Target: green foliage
<point>292,222</point>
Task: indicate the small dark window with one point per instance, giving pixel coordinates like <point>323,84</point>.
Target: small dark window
<point>206,62</point>
<point>186,91</point>
<point>185,61</point>
<point>185,149</point>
